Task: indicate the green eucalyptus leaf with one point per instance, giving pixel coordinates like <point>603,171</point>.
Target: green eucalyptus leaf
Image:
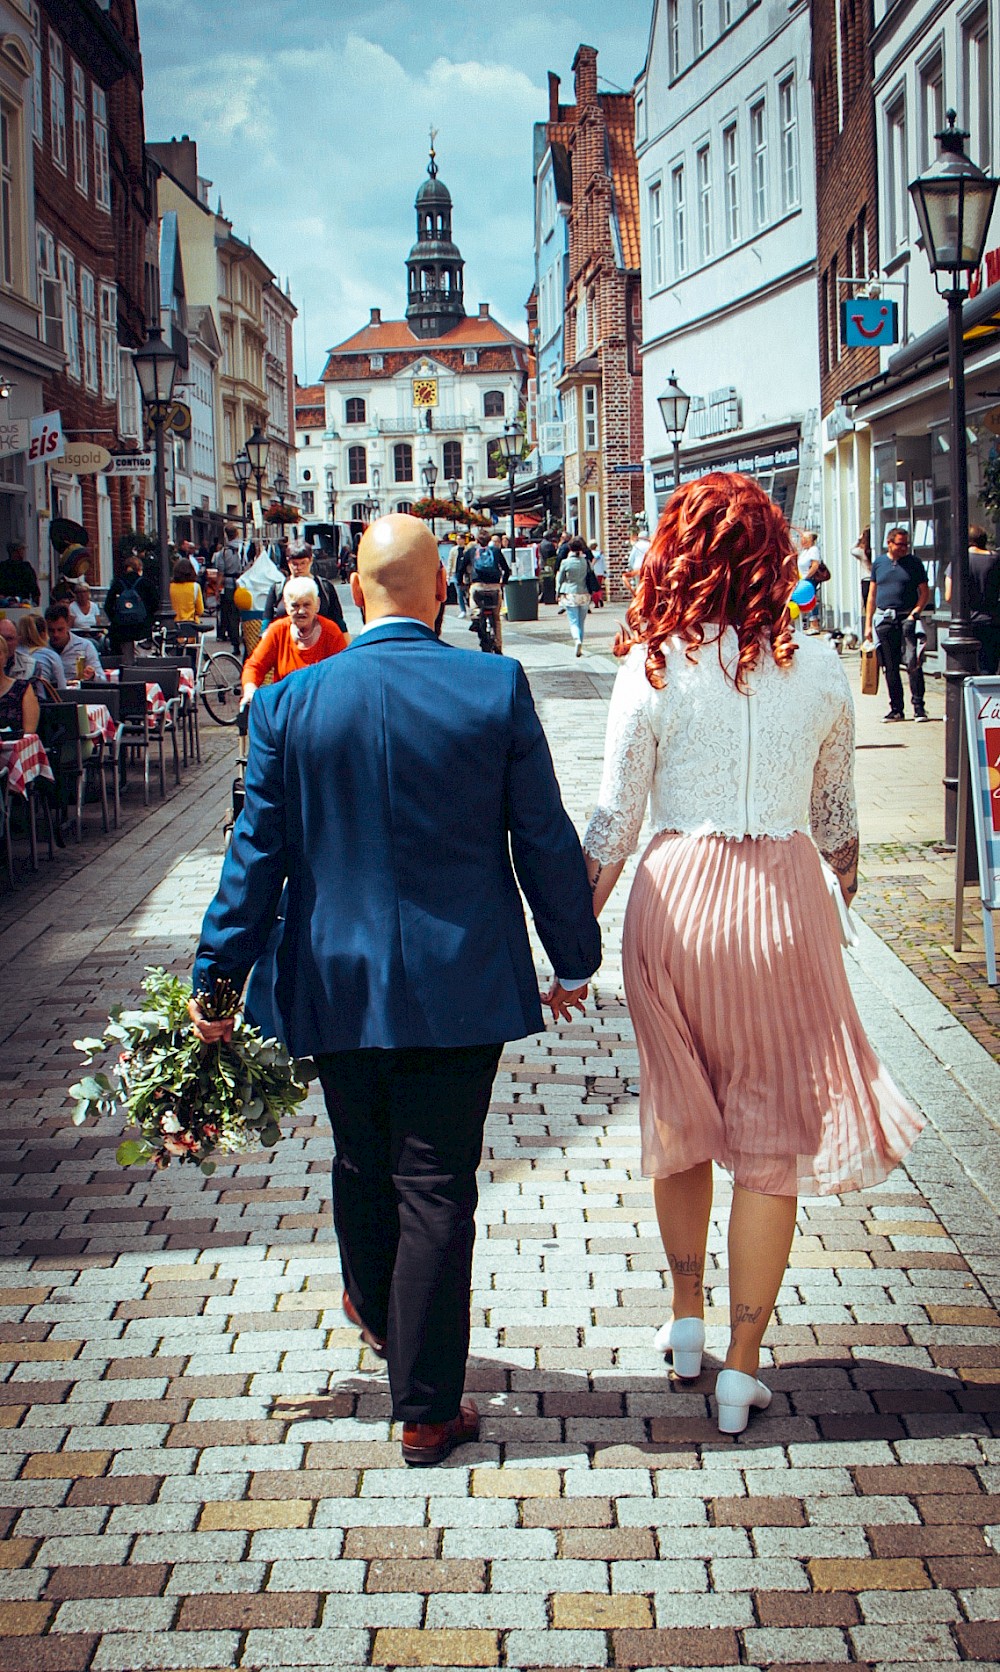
<point>132,1151</point>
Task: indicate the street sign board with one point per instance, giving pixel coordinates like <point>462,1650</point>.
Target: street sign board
<point>869,322</point>
<point>85,458</point>
<point>15,435</point>
<point>627,469</point>
<point>47,439</point>
<point>131,464</point>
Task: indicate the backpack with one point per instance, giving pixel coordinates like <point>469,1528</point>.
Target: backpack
<point>485,567</point>
<point>130,611</point>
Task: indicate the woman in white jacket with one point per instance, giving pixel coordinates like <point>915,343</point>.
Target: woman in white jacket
<point>740,735</point>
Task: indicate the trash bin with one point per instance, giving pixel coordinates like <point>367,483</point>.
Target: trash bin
<point>521,598</point>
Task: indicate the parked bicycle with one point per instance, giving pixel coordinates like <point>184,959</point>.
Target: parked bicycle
<point>217,677</point>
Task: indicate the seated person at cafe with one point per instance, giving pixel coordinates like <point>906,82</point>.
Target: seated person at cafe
<point>18,704</point>
<point>83,612</point>
<point>299,560</point>
<point>17,577</point>
<point>79,658</point>
<point>186,600</point>
<point>295,640</point>
<point>15,662</point>
<point>33,638</point>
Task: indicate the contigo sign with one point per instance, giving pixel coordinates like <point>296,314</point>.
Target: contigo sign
<point>83,458</point>
<point>131,464</point>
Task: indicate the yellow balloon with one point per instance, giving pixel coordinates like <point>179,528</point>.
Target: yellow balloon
<point>793,610</point>
<point>243,598</point>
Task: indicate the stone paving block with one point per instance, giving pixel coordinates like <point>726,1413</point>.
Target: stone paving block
<point>675,1648</point>
<point>798,1645</point>
<point>442,1648</point>
<point>116,1613</point>
<point>159,1652</point>
<point>577,1649</point>
<point>921,1642</point>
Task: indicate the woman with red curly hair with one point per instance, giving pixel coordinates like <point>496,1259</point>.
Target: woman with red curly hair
<point>740,735</point>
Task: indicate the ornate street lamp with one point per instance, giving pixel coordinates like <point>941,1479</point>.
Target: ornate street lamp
<point>257,448</point>
<point>510,446</point>
<point>241,470</point>
<point>453,492</point>
<point>953,202</point>
<point>156,368</point>
<point>674,406</point>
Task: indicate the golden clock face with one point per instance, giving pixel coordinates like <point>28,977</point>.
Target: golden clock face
<point>425,391</point>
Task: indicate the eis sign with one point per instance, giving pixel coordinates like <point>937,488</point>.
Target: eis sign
<point>47,439</point>
<point>869,322</point>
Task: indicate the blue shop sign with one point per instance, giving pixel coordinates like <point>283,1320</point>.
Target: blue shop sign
<point>869,322</point>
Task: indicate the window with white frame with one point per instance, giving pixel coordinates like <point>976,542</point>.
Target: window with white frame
<point>109,342</point>
<point>656,273</point>
<point>640,118</point>
<point>582,337</point>
<point>931,112</point>
<point>703,160</point>
<point>57,101</point>
<point>977,87</point>
<point>572,423</point>
<point>897,175</point>
<point>50,298</point>
<point>758,160</point>
<point>12,218</point>
<point>81,172</point>
<point>37,108</point>
<point>102,165</point>
<point>71,313</point>
<point>788,119</point>
<point>593,517</point>
<point>731,171</point>
<point>700,26</point>
<point>591,428</point>
<point>674,37</point>
<point>308,502</point>
<point>678,209</point>
<point>88,300</point>
<point>128,397</point>
<point>728,12</point>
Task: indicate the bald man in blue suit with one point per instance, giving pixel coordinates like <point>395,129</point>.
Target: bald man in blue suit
<point>403,790</point>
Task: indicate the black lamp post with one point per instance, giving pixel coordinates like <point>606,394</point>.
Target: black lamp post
<point>954,201</point>
<point>510,445</point>
<point>257,448</point>
<point>674,406</point>
<point>241,470</point>
<point>429,476</point>
<point>453,491</point>
<point>156,367</point>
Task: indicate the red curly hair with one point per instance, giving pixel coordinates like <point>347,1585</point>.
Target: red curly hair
<point>721,553</point>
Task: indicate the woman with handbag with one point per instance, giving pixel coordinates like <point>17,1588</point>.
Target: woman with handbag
<point>740,733</point>
<point>572,591</point>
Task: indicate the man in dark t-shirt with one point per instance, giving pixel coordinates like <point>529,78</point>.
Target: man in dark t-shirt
<point>898,593</point>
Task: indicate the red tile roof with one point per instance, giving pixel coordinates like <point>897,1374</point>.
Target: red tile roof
<point>620,117</point>
<point>474,332</point>
<point>310,406</point>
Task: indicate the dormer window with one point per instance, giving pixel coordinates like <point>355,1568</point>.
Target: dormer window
<point>376,362</point>
<point>472,357</point>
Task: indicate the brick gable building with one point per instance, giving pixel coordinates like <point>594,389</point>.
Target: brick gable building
<point>601,386</point>
<point>94,210</point>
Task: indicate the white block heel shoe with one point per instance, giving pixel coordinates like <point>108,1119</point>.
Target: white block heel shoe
<point>735,1394</point>
<point>684,1340</point>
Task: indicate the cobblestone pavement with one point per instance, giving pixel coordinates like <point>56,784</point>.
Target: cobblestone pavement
<point>198,1468</point>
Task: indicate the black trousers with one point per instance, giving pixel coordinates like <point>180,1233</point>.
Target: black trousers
<point>408,1134</point>
<point>897,642</point>
<point>989,646</point>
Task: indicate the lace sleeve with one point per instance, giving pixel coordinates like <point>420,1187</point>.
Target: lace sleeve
<point>629,763</point>
<point>833,814</point>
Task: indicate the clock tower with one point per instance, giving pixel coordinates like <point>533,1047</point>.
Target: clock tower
<point>434,267</point>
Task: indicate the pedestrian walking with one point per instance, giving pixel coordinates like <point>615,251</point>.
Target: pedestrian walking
<point>599,571</point>
<point>861,552</point>
<point>572,590</point>
<point>299,563</point>
<point>131,605</point>
<point>897,595</point>
<point>740,734</point>
<point>230,564</point>
<point>984,597</point>
<point>403,790</point>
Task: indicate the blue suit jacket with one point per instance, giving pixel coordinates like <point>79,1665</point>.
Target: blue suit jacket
<point>393,786</point>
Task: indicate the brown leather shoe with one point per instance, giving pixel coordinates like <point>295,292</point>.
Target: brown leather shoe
<point>432,1442</point>
<point>353,1317</point>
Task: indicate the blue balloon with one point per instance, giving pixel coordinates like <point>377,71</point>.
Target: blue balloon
<point>804,595</point>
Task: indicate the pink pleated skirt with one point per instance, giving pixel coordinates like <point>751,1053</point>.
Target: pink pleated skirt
<point>751,1050</point>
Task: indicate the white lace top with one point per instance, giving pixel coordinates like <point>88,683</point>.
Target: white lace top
<point>713,761</point>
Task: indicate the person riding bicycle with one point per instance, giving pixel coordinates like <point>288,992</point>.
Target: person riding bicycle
<point>484,569</point>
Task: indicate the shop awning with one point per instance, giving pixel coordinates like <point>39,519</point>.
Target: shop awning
<point>531,493</point>
<point>980,321</point>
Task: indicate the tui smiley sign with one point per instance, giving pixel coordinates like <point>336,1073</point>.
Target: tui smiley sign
<point>869,322</point>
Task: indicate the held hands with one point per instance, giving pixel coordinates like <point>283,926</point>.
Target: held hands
<point>210,1032</point>
<point>562,1003</point>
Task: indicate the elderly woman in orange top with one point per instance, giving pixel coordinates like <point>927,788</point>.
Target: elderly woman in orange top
<point>293,641</point>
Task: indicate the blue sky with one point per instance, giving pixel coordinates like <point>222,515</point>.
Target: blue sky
<point>312,116</point>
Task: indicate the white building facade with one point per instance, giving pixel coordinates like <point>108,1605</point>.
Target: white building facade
<point>727,203</point>
<point>929,59</point>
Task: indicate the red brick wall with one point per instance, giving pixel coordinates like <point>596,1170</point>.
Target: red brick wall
<point>846,180</point>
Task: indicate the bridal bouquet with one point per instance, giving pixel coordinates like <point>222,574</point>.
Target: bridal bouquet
<point>187,1099</point>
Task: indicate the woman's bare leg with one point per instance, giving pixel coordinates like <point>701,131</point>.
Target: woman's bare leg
<point>683,1205</point>
<point>760,1237</point>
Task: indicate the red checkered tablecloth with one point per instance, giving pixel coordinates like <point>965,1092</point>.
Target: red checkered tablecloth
<point>25,760</point>
<point>156,702</point>
<point>185,682</point>
<point>100,722</point>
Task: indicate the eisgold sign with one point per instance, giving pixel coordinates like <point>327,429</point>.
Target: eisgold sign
<point>83,458</point>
